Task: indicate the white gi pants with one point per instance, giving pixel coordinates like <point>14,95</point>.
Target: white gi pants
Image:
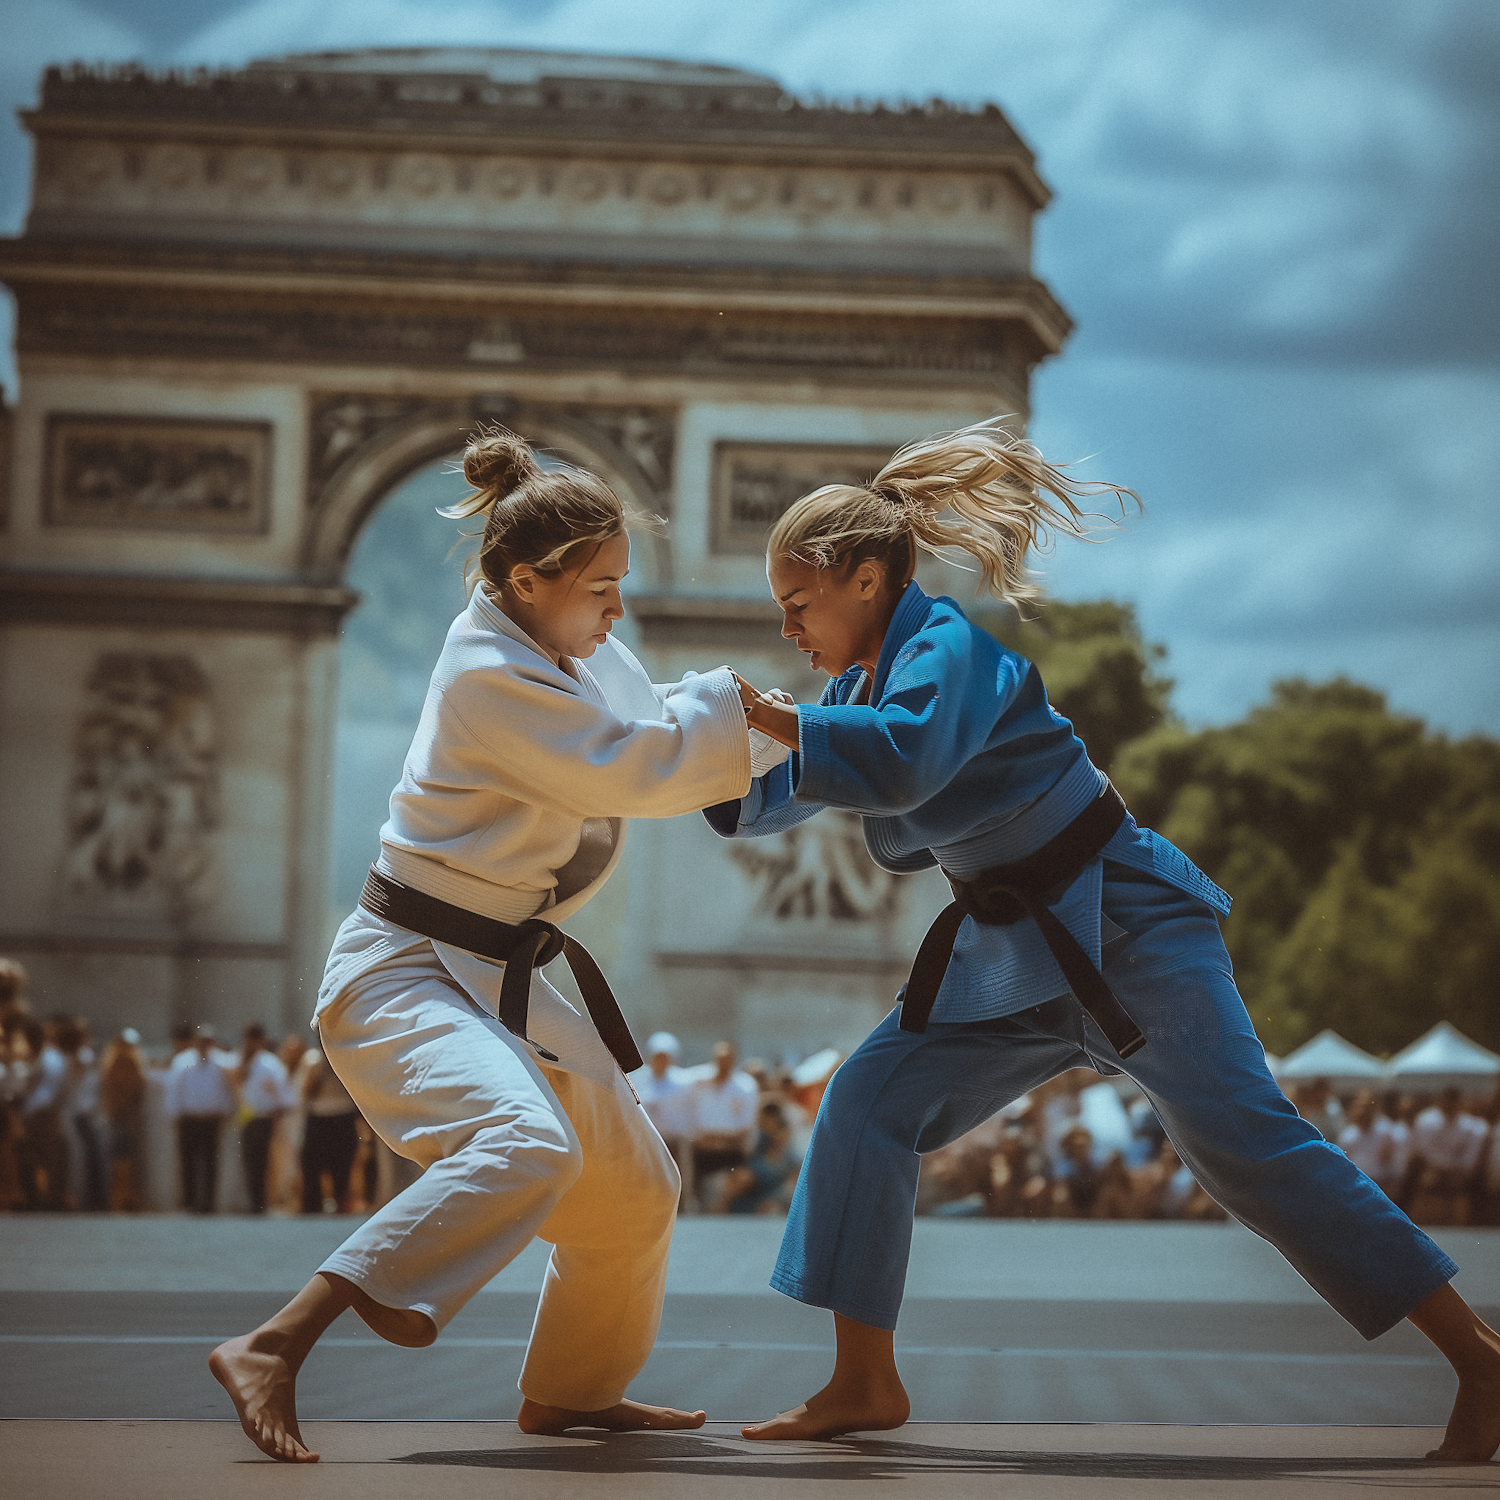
<point>513,1147</point>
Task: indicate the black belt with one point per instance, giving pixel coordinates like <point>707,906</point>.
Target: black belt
<point>1027,888</point>
<point>520,946</point>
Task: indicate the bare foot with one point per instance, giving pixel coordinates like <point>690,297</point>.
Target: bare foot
<point>263,1387</point>
<point>624,1416</point>
<point>838,1408</point>
<point>1474,1427</point>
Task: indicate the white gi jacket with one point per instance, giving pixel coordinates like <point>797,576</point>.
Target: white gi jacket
<point>513,754</point>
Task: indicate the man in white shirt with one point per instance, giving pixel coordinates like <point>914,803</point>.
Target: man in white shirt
<point>666,1094</point>
<point>724,1106</point>
<point>265,1093</point>
<point>1449,1140</point>
<point>198,1099</point>
<point>1375,1144</point>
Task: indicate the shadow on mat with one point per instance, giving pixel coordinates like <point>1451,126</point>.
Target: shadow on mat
<point>667,1454</point>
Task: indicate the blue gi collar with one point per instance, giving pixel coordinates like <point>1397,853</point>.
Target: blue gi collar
<point>911,612</point>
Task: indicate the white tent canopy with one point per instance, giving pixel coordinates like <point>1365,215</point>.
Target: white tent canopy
<point>1329,1056</point>
<point>1445,1056</point>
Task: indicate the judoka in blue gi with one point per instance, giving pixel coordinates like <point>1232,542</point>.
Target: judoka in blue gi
<point>1097,942</point>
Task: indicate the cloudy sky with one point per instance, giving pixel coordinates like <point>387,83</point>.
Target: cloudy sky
<point>1276,226</point>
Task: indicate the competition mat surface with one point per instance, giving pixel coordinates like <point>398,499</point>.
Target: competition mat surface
<point>439,1460</point>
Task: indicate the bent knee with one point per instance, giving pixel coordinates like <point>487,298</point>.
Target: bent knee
<point>547,1157</point>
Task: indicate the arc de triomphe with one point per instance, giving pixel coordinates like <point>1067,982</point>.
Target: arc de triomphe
<point>251,303</point>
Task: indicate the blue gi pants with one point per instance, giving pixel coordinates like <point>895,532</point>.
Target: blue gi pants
<point>848,1236</point>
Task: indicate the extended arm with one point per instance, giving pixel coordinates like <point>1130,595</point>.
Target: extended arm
<point>538,739</point>
<point>937,709</point>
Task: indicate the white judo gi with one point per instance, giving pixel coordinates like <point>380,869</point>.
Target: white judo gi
<point>512,804</point>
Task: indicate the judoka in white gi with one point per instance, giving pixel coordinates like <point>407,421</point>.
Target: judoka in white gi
<point>540,736</point>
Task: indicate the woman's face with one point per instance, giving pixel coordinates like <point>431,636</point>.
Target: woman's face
<point>571,613</point>
<point>835,621</point>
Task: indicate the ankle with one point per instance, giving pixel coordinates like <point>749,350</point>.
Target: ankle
<point>279,1343</point>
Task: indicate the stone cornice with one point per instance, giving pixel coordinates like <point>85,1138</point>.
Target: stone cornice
<point>94,599</point>
<point>32,261</point>
<point>561,112</point>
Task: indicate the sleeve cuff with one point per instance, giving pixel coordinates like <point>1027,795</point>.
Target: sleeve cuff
<point>810,765</point>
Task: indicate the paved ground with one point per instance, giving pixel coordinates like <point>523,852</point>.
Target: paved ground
<point>459,1460</point>
<point>112,1318</point>
<point>1008,1323</point>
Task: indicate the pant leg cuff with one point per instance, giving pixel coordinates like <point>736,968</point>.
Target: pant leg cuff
<point>1374,1323</point>
<point>357,1272</point>
<point>874,1317</point>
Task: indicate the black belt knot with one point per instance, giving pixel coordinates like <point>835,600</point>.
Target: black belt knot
<point>1029,887</point>
<point>520,946</point>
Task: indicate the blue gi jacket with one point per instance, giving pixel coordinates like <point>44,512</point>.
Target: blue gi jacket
<point>958,759</point>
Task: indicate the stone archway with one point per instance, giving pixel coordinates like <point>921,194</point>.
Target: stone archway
<point>368,450</point>
<point>250,304</point>
<point>361,446</point>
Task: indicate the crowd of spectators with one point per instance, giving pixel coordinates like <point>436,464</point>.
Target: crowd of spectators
<point>737,1133</point>
<point>1082,1148</point>
<point>74,1120</point>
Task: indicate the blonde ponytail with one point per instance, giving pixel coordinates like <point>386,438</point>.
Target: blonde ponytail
<point>979,490</point>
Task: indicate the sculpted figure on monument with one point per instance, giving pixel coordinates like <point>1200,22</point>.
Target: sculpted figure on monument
<point>819,872</point>
<point>145,778</point>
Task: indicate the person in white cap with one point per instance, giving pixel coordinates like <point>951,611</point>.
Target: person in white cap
<point>666,1094</point>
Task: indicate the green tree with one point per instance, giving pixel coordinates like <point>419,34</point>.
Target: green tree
<point>1099,672</point>
<point>1363,853</point>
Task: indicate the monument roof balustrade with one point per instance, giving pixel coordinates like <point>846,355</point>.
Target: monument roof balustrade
<point>545,96</point>
<point>482,206</point>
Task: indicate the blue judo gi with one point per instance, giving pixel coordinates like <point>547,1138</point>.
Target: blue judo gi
<point>954,757</point>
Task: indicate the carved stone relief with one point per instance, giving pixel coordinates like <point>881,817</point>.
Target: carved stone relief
<point>754,484</point>
<point>639,437</point>
<point>466,189</point>
<point>156,475</point>
<point>144,792</point>
<point>341,424</point>
<point>818,871</point>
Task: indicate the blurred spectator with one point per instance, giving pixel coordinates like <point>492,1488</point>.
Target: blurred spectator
<point>82,1109</point>
<point>1487,1206</point>
<point>666,1094</point>
<point>1076,1180</point>
<point>1176,1193</point>
<point>955,1180</point>
<point>1317,1105</point>
<point>1116,1197</point>
<point>1376,1145</point>
<point>724,1112</point>
<point>330,1137</point>
<point>122,1097</point>
<point>42,1155</point>
<point>1017,1181</point>
<point>15,1059</point>
<point>809,1080</point>
<point>284,1176</point>
<point>1447,1142</point>
<point>198,1100</point>
<point>264,1094</point>
<point>1147,1132</point>
<point>765,1183</point>
<point>181,1040</point>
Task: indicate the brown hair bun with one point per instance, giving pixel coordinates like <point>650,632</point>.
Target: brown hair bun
<point>497,461</point>
<point>546,513</point>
